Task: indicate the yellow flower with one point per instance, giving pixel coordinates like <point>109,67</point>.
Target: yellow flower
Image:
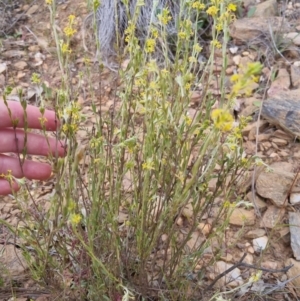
<point>198,5</point>
<point>231,7</point>
<point>150,45</point>
<point>212,10</point>
<point>148,165</point>
<point>43,120</point>
<point>65,48</point>
<point>192,59</point>
<point>216,43</point>
<point>69,31</point>
<point>222,119</point>
<point>219,27</point>
<point>234,78</point>
<point>49,2</point>
<point>71,19</point>
<point>154,32</point>
<point>197,47</point>
<point>182,35</point>
<point>75,219</point>
<point>164,17</point>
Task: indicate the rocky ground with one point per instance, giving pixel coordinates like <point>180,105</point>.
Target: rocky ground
<point>268,233</point>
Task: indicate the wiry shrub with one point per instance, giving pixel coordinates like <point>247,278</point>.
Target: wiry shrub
<point>142,217</point>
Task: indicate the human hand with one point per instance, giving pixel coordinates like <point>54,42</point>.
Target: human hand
<point>12,141</point>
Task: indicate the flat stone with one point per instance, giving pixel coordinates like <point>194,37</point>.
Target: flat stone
<point>275,184</point>
<point>293,273</point>
<point>232,279</point>
<point>260,243</point>
<point>255,233</point>
<point>247,29</point>
<point>260,204</point>
<point>20,65</point>
<point>261,124</point>
<point>272,217</point>
<point>283,110</point>
<point>13,262</point>
<point>295,198</point>
<point>294,222</point>
<point>266,9</point>
<point>241,217</point>
<point>279,141</point>
<point>294,37</point>
<point>295,76</point>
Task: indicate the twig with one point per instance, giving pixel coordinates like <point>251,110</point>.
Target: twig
<point>240,263</point>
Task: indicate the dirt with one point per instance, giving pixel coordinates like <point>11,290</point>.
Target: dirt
<point>29,48</point>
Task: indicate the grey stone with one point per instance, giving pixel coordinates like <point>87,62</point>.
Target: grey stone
<point>294,222</point>
<point>272,217</point>
<point>260,243</point>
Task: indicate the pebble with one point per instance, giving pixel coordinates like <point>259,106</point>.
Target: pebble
<point>295,198</point>
<point>255,233</point>
<point>259,244</point>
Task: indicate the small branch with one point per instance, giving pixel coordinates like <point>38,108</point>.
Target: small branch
<point>240,263</point>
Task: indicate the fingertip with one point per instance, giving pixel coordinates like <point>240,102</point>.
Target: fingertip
<point>6,188</point>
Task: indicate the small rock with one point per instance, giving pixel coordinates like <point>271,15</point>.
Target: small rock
<point>205,228</point>
<point>195,241</point>
<point>247,29</point>
<point>251,250</point>
<point>236,59</point>
<point>32,9</point>
<point>294,222</point>
<point>196,96</point>
<point>258,201</point>
<point>266,9</point>
<point>13,261</point>
<point>294,37</point>
<point>241,217</point>
<point>293,274</point>
<point>232,279</point>
<point>230,70</point>
<point>20,65</point>
<point>227,258</point>
<point>295,198</point>
<point>283,135</point>
<point>262,124</point>
<point>188,211</point>
<point>255,233</point>
<point>259,244</point>
<point>233,50</point>
<point>248,259</point>
<point>295,76</point>
<point>284,234</point>
<point>13,53</point>
<point>274,185</point>
<point>3,67</point>
<point>272,217</point>
<point>279,142</point>
<point>282,81</point>
<point>270,265</point>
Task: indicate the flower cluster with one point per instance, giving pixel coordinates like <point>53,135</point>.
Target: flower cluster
<point>71,117</point>
<point>244,80</point>
<point>223,119</point>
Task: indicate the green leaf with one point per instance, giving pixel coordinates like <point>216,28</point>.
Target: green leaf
<point>251,11</point>
<point>257,103</point>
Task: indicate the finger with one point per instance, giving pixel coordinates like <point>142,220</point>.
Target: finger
<point>5,187</point>
<point>33,116</point>
<point>14,141</point>
<point>30,169</point>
